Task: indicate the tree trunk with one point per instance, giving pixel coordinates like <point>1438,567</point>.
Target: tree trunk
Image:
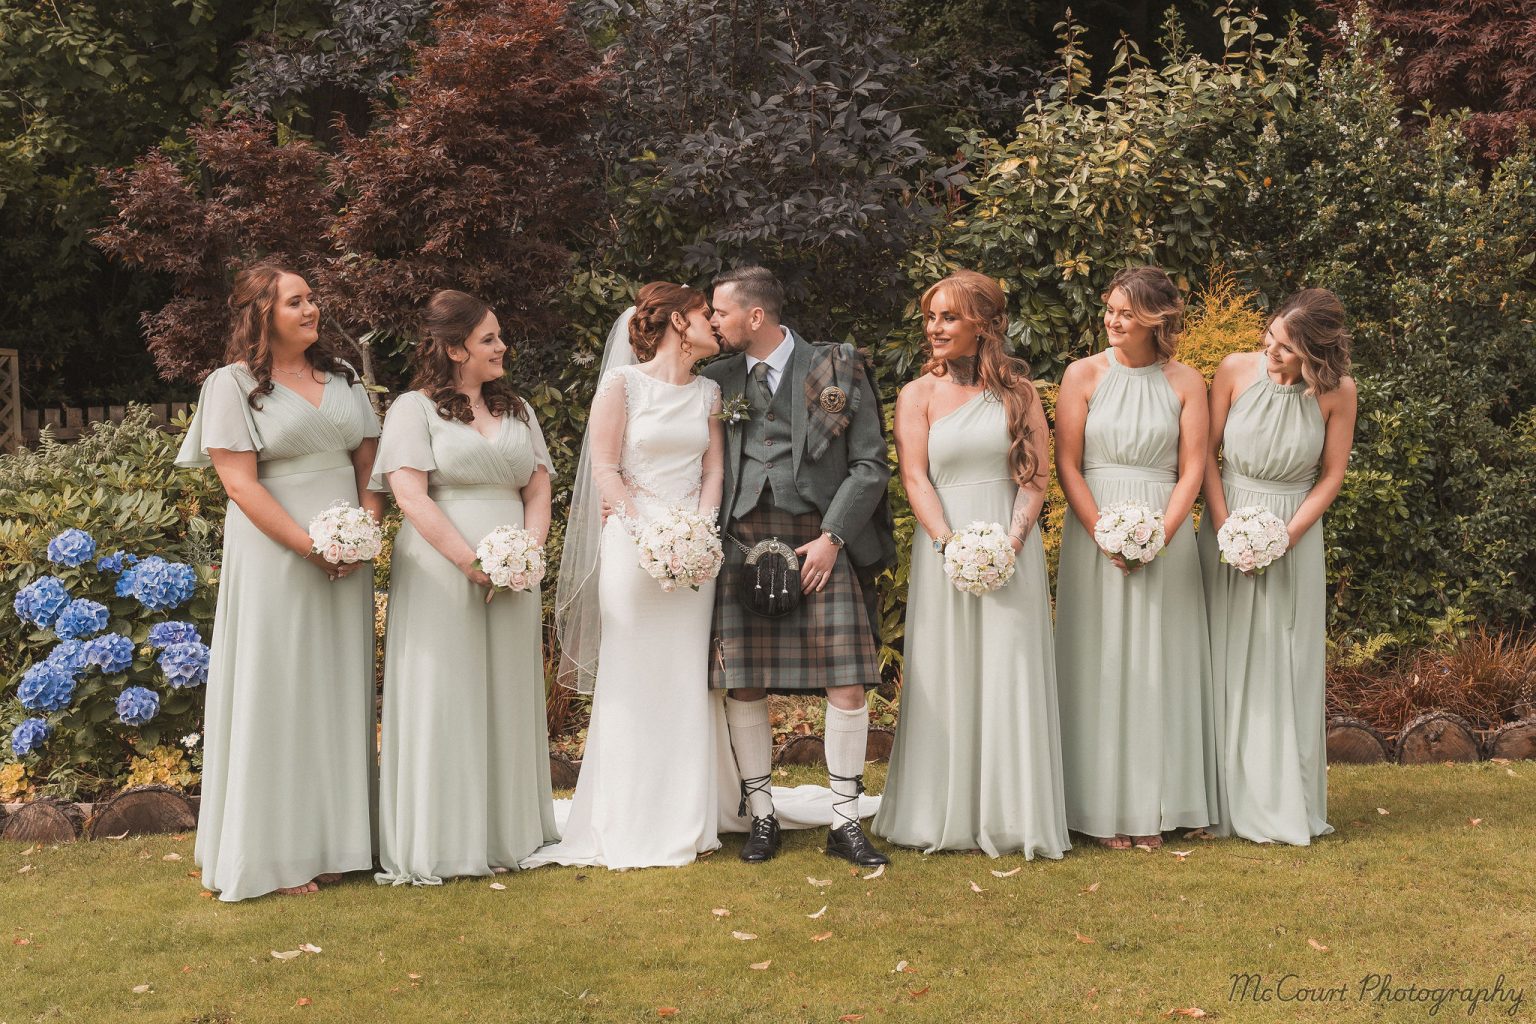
<point>142,811</point>
<point>1351,741</point>
<point>1514,740</point>
<point>1437,736</point>
<point>43,821</point>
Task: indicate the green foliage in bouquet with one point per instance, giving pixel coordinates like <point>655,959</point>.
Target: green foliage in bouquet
<point>124,676</point>
<point>1432,257</point>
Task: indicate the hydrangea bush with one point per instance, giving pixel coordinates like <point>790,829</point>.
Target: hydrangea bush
<point>107,588</point>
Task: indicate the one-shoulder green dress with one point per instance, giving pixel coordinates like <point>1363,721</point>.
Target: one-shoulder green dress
<point>1267,630</point>
<point>464,771</point>
<point>288,750</point>
<point>1132,655</point>
<point>977,760</point>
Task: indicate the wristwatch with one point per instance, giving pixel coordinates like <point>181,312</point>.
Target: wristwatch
<point>837,541</point>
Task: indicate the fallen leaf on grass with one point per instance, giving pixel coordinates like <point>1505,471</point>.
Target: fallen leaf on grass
<point>875,873</point>
<point>1083,938</point>
<point>1007,874</point>
<point>1474,822</point>
<point>1188,1011</point>
<point>1317,945</point>
<point>1181,854</point>
<point>666,1011</point>
<point>1511,773</point>
<point>310,947</point>
<point>915,992</point>
<point>21,942</point>
<point>139,990</point>
<point>851,1016</point>
<point>171,856</point>
<point>29,851</point>
<point>818,881</point>
<point>822,937</point>
<point>287,954</point>
<point>1092,888</point>
<point>303,1001</point>
<point>818,913</point>
<point>1198,833</point>
<point>24,869</point>
<point>205,894</point>
<point>1382,810</point>
<point>743,936</point>
<point>721,912</point>
<point>976,888</point>
<point>414,977</point>
<point>762,966</point>
<point>498,887</point>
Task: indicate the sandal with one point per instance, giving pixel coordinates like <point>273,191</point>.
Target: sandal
<point>1148,843</point>
<point>1116,842</point>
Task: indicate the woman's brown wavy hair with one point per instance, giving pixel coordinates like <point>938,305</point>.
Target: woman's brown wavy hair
<point>251,303</point>
<point>980,301</point>
<point>654,307</point>
<point>446,324</point>
<point>1315,323</point>
<point>1155,303</point>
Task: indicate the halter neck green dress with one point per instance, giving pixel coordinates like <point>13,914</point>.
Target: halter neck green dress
<point>977,760</point>
<point>1267,630</point>
<point>288,727</point>
<point>464,768</point>
<point>1132,656</point>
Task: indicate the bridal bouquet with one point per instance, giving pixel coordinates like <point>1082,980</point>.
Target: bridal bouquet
<point>979,558</point>
<point>1252,538</point>
<point>679,547</point>
<point>346,533</point>
<point>1131,530</point>
<point>511,558</point>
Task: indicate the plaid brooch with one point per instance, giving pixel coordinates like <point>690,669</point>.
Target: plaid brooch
<point>831,395</point>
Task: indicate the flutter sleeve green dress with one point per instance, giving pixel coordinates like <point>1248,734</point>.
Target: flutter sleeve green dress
<point>464,770</point>
<point>1267,630</point>
<point>977,760</point>
<point>1132,659</point>
<point>288,755</point>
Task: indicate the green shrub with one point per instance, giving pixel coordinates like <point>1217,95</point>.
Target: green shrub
<point>119,484</point>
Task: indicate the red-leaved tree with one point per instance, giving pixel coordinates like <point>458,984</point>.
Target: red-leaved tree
<point>1478,54</point>
<point>470,180</point>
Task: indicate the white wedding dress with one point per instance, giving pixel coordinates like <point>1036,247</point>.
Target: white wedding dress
<point>658,781</point>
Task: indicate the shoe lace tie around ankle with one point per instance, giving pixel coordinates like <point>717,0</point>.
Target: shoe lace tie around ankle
<point>757,784</point>
<point>841,801</point>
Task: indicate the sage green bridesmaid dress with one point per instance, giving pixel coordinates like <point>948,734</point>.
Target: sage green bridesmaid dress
<point>464,770</point>
<point>288,749</point>
<point>1267,630</point>
<point>1138,716</point>
<point>977,760</point>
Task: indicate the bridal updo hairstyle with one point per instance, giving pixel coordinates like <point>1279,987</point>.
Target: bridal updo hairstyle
<point>446,325</point>
<point>252,301</point>
<point>1156,303</point>
<point>981,302</point>
<point>1314,321</point>
<point>654,307</point>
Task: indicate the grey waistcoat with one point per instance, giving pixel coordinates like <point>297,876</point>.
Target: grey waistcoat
<point>767,450</point>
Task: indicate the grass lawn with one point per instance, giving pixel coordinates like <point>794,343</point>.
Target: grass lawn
<point>1420,893</point>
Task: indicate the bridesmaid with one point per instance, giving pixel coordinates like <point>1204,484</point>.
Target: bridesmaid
<point>977,761</point>
<point>1282,421</point>
<point>1138,723</point>
<point>288,762</point>
<point>464,774</point>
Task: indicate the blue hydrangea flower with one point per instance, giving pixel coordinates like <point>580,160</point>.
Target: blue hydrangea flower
<point>29,735</point>
<point>117,561</point>
<point>124,586</point>
<point>71,655</point>
<point>185,664</point>
<point>110,652</point>
<point>136,705</point>
<point>40,601</point>
<point>46,686</point>
<point>158,584</point>
<point>163,634</point>
<point>71,548</point>
<point>81,617</point>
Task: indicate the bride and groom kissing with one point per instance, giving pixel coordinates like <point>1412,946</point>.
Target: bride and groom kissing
<point>784,439</point>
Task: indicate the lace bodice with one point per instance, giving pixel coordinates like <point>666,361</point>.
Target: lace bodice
<point>666,433</point>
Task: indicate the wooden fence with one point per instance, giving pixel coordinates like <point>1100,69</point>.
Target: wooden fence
<point>69,424</point>
<point>10,400</point>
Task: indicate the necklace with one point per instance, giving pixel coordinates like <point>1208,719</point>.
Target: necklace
<point>294,373</point>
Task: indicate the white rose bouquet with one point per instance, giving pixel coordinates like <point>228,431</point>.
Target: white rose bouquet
<point>679,547</point>
<point>345,533</point>
<point>511,558</point>
<point>979,559</point>
<point>1131,530</point>
<point>1252,538</point>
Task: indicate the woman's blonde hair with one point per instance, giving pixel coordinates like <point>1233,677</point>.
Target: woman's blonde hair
<point>1314,323</point>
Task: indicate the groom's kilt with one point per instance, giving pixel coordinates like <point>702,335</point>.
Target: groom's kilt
<point>827,641</point>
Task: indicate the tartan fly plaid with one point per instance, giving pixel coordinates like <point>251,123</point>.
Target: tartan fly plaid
<point>826,641</point>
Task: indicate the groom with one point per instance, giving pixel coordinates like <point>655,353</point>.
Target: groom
<point>806,464</point>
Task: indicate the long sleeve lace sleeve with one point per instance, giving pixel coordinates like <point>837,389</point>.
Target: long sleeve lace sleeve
<point>606,435</point>
<point>713,481</point>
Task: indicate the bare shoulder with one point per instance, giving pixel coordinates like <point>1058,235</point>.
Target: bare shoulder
<point>1082,374</point>
<point>915,395</point>
<point>1185,378</point>
<point>1238,365</point>
<point>1345,396</point>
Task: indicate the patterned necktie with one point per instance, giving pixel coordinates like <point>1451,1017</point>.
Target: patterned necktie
<point>759,393</point>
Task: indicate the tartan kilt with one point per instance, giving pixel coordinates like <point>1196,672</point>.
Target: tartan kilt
<point>828,640</point>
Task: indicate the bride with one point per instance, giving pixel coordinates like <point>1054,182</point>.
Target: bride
<point>649,791</point>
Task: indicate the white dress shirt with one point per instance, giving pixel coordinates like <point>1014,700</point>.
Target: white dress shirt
<point>777,360</point>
